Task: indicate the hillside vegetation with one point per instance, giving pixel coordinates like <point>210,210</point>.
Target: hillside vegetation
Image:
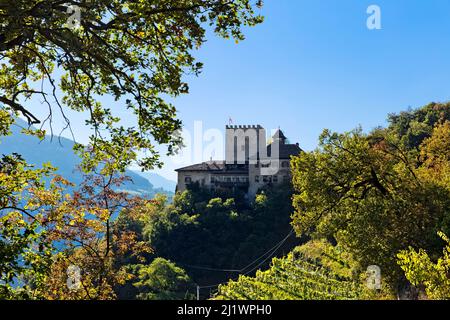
<point>360,199</point>
<point>383,198</point>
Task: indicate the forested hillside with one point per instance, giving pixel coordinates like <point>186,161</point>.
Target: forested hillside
<point>383,198</point>
<point>360,199</point>
<point>212,237</point>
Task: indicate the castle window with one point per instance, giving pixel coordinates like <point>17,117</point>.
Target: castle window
<point>256,178</point>
<point>285,178</point>
<point>275,179</point>
<point>213,179</point>
<point>266,179</point>
<point>188,179</point>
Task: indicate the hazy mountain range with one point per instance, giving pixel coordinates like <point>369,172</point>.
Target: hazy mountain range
<point>60,154</point>
<point>158,181</point>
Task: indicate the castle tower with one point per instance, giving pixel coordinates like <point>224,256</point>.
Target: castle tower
<point>279,137</point>
<point>243,143</point>
<point>250,163</point>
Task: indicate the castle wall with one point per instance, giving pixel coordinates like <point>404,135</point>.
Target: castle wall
<point>243,143</point>
<point>260,177</point>
<point>210,179</point>
<point>203,178</point>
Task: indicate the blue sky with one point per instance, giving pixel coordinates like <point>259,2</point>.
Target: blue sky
<point>313,64</point>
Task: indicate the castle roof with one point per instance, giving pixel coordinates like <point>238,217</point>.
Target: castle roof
<point>220,166</point>
<point>279,135</point>
<point>205,166</point>
<point>286,150</point>
<point>216,167</point>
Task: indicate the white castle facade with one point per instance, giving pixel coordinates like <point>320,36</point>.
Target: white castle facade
<point>250,163</point>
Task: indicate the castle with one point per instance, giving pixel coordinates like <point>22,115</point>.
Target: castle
<point>250,164</point>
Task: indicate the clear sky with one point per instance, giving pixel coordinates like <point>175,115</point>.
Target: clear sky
<point>314,64</point>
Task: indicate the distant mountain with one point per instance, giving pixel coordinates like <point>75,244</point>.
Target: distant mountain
<point>158,181</point>
<point>60,154</point>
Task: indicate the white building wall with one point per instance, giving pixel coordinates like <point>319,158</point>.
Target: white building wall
<point>203,178</point>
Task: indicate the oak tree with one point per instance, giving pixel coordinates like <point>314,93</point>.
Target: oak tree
<point>57,57</point>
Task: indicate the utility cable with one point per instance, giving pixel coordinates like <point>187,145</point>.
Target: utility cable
<point>246,267</point>
<point>270,254</point>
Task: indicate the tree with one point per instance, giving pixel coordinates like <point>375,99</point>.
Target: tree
<point>435,155</point>
<point>413,126</point>
<point>268,222</point>
<point>163,280</point>
<point>302,275</point>
<point>418,265</point>
<point>372,192</point>
<point>83,224</point>
<point>133,51</point>
<point>210,236</point>
<point>25,249</point>
<point>69,53</point>
<point>423,272</point>
<point>45,231</point>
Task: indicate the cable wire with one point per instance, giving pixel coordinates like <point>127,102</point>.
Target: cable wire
<point>238,270</point>
<point>270,254</point>
<point>208,269</point>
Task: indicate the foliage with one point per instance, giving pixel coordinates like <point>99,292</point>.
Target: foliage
<point>200,232</point>
<point>301,275</point>
<point>413,126</point>
<point>83,224</point>
<point>333,258</point>
<point>132,51</point>
<point>69,54</point>
<point>25,249</point>
<point>377,194</point>
<point>44,231</point>
<point>435,155</point>
<point>163,280</point>
<point>422,271</point>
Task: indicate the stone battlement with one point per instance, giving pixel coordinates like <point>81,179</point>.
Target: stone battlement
<point>253,126</point>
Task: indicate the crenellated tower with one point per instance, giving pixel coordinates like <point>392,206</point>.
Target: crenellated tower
<point>244,143</point>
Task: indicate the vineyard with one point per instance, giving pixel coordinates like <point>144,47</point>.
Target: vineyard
<point>294,277</point>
